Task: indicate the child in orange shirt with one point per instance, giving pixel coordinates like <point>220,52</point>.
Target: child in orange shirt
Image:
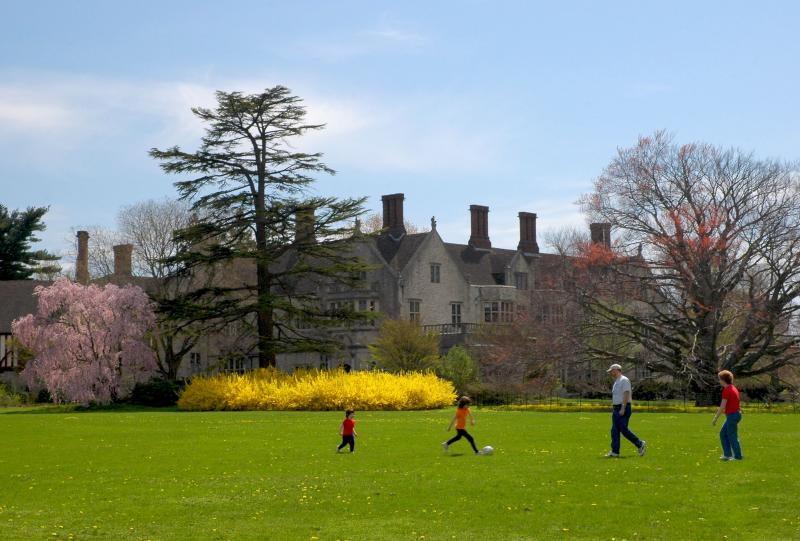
<point>460,419</point>
<point>348,431</point>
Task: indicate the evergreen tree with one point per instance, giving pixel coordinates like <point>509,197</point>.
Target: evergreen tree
<point>17,233</point>
<point>250,190</point>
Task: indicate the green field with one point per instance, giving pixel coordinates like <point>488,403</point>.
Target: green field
<point>265,475</point>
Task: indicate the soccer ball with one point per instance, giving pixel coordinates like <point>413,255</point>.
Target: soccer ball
<point>488,450</point>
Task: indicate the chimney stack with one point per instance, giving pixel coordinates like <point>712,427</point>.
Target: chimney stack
<point>304,226</point>
<point>601,234</point>
<point>122,260</point>
<point>479,222</point>
<point>82,263</point>
<point>393,215</point>
<point>527,233</point>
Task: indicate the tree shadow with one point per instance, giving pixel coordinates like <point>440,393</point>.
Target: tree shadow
<point>72,409</point>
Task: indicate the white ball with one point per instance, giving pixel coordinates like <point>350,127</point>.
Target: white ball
<point>488,450</point>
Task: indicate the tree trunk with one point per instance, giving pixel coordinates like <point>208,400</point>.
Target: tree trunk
<point>706,391</point>
<point>264,314</point>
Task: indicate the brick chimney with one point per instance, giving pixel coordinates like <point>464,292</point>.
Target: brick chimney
<point>393,214</point>
<point>304,226</point>
<point>479,223</point>
<point>601,234</point>
<point>82,263</point>
<point>527,233</point>
<point>122,260</point>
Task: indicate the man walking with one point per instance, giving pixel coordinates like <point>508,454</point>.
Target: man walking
<point>621,414</point>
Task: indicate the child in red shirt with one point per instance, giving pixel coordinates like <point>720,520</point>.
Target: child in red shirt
<point>348,431</point>
<point>729,435</point>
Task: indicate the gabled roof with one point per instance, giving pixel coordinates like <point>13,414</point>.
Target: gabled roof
<point>17,300</point>
<point>398,252</point>
<point>483,267</point>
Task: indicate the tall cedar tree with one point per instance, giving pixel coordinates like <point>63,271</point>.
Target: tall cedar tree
<point>717,276</point>
<point>250,191</point>
<point>17,233</point>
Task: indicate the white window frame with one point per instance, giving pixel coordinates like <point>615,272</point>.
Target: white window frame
<point>415,310</point>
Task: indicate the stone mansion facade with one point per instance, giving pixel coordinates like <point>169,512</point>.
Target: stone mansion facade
<point>447,288</point>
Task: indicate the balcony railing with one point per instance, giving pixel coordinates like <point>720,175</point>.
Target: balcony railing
<point>451,328</point>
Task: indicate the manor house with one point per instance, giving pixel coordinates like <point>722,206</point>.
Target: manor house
<point>448,288</point>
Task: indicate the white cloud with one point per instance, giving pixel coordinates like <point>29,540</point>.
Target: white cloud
<point>408,134</point>
<point>26,114</point>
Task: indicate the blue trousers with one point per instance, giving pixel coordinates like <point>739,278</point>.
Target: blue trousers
<point>729,435</point>
<point>619,425</point>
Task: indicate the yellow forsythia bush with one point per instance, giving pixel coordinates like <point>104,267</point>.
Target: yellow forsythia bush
<point>271,389</point>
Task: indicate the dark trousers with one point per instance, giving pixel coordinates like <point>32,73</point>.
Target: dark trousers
<point>461,433</point>
<point>619,425</point>
<point>348,440</point>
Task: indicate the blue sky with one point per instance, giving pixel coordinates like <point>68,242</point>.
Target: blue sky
<point>515,105</point>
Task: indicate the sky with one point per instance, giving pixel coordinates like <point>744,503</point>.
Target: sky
<point>514,105</point>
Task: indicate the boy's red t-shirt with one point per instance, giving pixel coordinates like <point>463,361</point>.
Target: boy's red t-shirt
<point>731,394</point>
<point>347,427</point>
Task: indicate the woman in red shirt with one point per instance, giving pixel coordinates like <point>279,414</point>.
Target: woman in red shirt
<point>729,435</point>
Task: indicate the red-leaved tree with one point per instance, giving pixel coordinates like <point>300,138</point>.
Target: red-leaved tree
<point>89,343</point>
<point>508,354</point>
<point>716,276</point>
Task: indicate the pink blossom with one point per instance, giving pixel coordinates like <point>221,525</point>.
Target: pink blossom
<point>89,343</point>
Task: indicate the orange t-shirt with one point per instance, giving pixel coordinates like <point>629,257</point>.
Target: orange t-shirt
<point>461,418</point>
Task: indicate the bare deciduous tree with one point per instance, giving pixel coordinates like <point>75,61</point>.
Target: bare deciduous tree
<point>150,226</point>
<point>373,223</point>
<point>717,234</point>
<point>508,354</point>
<point>565,241</point>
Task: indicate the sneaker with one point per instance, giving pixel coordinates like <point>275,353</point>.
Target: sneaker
<point>643,448</point>
<point>337,450</point>
<point>612,454</point>
<point>723,457</point>
<point>445,446</point>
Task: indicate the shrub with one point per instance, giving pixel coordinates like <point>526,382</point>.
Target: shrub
<point>9,398</point>
<point>403,346</point>
<point>492,394</point>
<point>156,393</point>
<point>459,367</point>
<point>653,389</point>
<point>43,397</point>
<point>271,389</point>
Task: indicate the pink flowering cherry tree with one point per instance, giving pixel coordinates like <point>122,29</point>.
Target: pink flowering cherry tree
<point>89,343</point>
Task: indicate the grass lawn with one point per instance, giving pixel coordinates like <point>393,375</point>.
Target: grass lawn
<point>266,475</point>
